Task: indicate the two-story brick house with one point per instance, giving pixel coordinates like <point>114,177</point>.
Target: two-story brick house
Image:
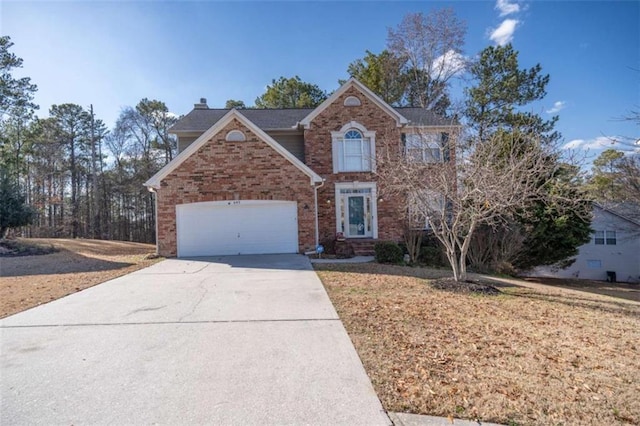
<point>281,180</point>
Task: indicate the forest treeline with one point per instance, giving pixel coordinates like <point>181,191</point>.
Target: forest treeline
<point>84,180</point>
<point>77,177</point>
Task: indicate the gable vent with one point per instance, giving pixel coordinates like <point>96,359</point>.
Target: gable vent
<point>235,136</point>
<point>352,101</point>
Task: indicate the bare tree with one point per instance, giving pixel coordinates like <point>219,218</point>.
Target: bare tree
<point>432,47</point>
<point>478,184</point>
<point>629,174</point>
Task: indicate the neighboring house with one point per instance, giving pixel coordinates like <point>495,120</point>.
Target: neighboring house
<point>614,247</point>
<point>282,180</point>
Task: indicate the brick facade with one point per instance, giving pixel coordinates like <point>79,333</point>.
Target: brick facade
<point>254,170</point>
<point>319,157</point>
<point>221,170</point>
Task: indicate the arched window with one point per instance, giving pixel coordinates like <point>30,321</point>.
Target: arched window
<point>353,149</point>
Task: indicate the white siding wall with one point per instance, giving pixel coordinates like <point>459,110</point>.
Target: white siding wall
<point>594,260</point>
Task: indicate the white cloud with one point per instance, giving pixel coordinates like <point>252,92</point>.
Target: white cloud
<point>507,8</point>
<point>557,106</point>
<point>596,143</point>
<point>504,33</point>
<point>450,63</point>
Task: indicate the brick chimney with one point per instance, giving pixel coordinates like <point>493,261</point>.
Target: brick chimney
<point>202,104</point>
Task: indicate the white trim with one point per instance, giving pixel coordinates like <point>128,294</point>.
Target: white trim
<point>374,203</point>
<point>156,179</point>
<point>366,134</point>
<point>400,120</point>
<point>237,203</point>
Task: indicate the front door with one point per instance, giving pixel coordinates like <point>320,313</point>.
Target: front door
<point>356,209</point>
<point>359,216</point>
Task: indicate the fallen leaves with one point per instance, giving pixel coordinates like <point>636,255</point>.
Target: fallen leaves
<point>28,281</point>
<point>525,356</point>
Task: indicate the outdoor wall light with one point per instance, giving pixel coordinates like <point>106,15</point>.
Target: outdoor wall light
<point>306,207</point>
<point>328,200</point>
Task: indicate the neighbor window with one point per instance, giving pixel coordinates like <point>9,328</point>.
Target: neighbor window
<point>610,238</point>
<point>594,264</point>
<point>605,237</point>
<point>423,147</point>
<point>352,152</point>
<point>598,237</point>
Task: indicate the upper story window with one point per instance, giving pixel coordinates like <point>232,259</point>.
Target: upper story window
<point>426,147</point>
<point>353,149</point>
<point>423,205</point>
<point>605,237</point>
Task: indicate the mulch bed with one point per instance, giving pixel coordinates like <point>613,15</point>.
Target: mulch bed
<point>476,287</point>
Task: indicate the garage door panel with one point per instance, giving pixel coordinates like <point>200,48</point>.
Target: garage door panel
<point>240,227</point>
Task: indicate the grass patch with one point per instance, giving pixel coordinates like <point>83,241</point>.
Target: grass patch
<point>526,356</point>
<point>71,265</point>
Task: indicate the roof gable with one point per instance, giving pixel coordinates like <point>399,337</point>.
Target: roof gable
<point>155,180</point>
<point>352,82</point>
<point>617,212</point>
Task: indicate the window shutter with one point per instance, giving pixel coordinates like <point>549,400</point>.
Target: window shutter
<point>336,154</point>
<point>446,149</point>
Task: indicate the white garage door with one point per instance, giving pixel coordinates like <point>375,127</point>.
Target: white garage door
<point>237,227</point>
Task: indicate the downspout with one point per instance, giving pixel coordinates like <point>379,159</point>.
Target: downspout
<point>155,214</point>
<point>315,200</point>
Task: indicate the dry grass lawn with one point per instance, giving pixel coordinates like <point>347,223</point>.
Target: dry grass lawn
<point>28,281</point>
<point>527,356</point>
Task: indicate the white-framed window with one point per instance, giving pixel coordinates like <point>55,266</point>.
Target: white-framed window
<point>605,237</point>
<point>594,264</point>
<point>423,147</point>
<point>422,205</point>
<point>610,238</point>
<point>353,149</point>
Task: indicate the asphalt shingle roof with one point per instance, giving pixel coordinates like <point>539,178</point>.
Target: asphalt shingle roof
<point>199,120</point>
<point>423,117</point>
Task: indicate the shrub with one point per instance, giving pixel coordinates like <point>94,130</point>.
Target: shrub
<point>431,256</point>
<point>329,245</point>
<point>388,252</point>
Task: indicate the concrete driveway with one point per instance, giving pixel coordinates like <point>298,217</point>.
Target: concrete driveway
<point>228,340</point>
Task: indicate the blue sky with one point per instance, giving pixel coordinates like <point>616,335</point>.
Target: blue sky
<point>112,54</point>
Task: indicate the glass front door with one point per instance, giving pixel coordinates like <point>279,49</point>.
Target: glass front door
<point>357,212</point>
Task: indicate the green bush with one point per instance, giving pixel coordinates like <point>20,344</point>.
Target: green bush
<point>388,252</point>
<point>431,256</point>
